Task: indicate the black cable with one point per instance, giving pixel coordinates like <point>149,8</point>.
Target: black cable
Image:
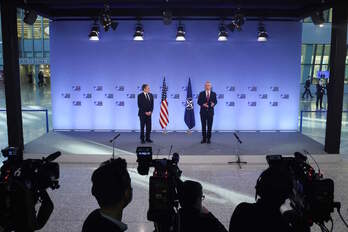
<point>344,222</point>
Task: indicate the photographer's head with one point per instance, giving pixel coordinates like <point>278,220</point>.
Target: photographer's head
<point>273,187</point>
<point>192,195</point>
<point>112,184</point>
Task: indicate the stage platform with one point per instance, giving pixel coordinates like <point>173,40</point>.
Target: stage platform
<point>79,146</point>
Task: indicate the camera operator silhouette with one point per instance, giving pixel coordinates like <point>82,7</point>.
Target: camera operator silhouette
<point>113,191</point>
<point>273,187</point>
<point>193,215</point>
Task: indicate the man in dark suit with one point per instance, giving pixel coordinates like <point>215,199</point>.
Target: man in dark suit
<point>207,101</point>
<point>145,105</point>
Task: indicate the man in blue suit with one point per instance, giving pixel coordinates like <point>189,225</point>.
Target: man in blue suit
<point>207,100</point>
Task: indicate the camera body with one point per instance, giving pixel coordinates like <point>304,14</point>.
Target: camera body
<point>23,183</point>
<point>165,185</point>
<point>312,197</point>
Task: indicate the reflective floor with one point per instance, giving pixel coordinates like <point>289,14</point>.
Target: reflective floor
<point>34,123</point>
<point>224,187</point>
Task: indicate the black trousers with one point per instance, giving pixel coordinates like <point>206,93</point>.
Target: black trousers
<point>145,121</point>
<point>207,123</point>
<point>306,92</point>
<point>319,99</point>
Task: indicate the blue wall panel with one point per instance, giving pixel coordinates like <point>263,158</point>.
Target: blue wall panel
<point>95,84</point>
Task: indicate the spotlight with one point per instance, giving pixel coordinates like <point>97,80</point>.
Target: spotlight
<point>139,32</point>
<point>94,34</point>
<point>30,17</point>
<point>237,23</point>
<point>262,34</point>
<point>180,34</point>
<point>223,35</point>
<point>105,19</point>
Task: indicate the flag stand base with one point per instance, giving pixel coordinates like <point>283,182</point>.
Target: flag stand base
<point>165,131</point>
<point>189,132</point>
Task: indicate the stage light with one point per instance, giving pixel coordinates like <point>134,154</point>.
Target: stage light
<point>180,34</point>
<point>94,34</point>
<point>223,35</point>
<point>30,17</point>
<point>139,32</point>
<point>262,33</point>
<point>237,23</point>
<point>105,19</point>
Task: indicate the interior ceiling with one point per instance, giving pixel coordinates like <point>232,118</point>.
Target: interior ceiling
<point>285,9</point>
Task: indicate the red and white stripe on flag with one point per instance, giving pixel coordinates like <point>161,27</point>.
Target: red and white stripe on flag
<point>164,114</point>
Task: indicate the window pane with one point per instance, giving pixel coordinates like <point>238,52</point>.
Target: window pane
<point>315,71</point>
<point>27,31</point>
<point>46,28</point>
<point>326,54</point>
<point>37,28</point>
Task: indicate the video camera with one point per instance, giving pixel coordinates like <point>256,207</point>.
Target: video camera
<point>312,197</point>
<point>165,188</point>
<point>23,184</point>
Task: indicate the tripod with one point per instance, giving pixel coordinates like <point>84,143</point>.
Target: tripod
<point>238,161</point>
<point>113,144</point>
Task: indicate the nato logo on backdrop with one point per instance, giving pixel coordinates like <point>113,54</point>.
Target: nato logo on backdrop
<point>98,103</point>
<point>130,95</point>
<point>120,103</point>
<point>66,95</point>
<point>175,96</point>
<point>221,96</point>
<point>273,103</point>
<point>109,95</point>
<point>154,95</point>
<point>263,96</point>
<point>119,87</point>
<point>252,88</point>
<point>76,87</point>
<point>87,95</point>
<point>231,88</point>
<point>252,104</point>
<point>230,104</point>
<point>98,88</point>
<point>285,96</point>
<point>195,96</point>
<point>241,96</point>
<point>274,88</point>
<point>77,103</point>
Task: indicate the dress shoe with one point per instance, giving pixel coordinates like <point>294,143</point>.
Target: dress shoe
<point>208,141</point>
<point>142,141</point>
<point>149,141</point>
<point>203,141</point>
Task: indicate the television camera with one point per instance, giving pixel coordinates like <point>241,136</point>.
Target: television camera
<point>24,184</point>
<point>312,197</point>
<point>165,189</point>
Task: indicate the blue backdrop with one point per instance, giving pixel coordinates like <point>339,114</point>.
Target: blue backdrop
<point>95,84</point>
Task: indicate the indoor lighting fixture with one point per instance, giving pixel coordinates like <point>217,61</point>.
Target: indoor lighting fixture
<point>139,32</point>
<point>94,34</point>
<point>223,35</point>
<point>105,19</point>
<point>262,33</point>
<point>180,34</point>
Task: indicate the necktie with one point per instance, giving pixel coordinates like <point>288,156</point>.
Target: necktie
<point>208,96</point>
<point>147,96</point>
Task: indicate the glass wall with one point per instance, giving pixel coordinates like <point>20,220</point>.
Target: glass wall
<point>314,58</point>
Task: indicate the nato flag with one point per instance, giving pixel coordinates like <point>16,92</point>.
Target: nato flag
<point>189,113</point>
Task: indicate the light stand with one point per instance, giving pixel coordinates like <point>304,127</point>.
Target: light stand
<point>238,161</point>
<point>113,144</point>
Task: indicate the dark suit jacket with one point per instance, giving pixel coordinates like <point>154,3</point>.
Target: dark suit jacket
<point>202,98</point>
<point>144,104</point>
<point>95,222</point>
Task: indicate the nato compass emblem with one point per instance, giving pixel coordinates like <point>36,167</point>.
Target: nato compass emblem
<point>189,104</point>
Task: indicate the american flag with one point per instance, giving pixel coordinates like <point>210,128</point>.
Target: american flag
<point>164,106</point>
